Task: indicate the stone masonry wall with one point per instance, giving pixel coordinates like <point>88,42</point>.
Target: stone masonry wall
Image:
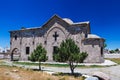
<point>93,48</point>
<point>46,36</point>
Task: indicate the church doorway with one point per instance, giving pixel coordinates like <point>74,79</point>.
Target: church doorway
<point>15,55</point>
<point>55,51</point>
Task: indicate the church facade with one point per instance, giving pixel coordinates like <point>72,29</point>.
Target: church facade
<point>51,34</point>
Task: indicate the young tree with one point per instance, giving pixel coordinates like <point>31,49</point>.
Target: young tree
<point>39,54</point>
<point>112,51</point>
<point>117,50</point>
<point>70,52</point>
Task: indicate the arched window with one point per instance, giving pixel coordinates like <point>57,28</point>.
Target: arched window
<point>27,50</point>
<point>15,37</point>
<point>86,35</point>
<point>45,42</point>
<point>101,51</point>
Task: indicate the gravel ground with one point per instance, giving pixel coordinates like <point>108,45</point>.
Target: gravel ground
<point>112,71</point>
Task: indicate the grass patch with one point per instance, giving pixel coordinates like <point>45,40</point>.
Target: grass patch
<point>116,60</point>
<point>36,64</point>
<point>57,65</point>
<point>26,63</point>
<point>96,66</point>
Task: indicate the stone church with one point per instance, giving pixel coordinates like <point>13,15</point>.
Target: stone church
<point>51,34</point>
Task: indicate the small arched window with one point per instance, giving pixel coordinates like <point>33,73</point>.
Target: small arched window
<point>102,51</point>
<point>27,50</point>
<point>15,37</point>
<point>45,42</point>
<point>86,35</point>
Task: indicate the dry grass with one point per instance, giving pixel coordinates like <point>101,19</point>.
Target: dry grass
<point>117,60</point>
<point>14,73</point>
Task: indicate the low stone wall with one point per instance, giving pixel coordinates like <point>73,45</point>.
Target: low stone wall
<point>1,56</point>
<point>111,55</point>
<point>4,56</point>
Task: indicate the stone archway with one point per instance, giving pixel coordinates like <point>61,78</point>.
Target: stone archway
<point>15,55</point>
<point>54,37</point>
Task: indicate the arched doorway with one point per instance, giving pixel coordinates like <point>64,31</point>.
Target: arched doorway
<point>54,38</point>
<point>15,55</point>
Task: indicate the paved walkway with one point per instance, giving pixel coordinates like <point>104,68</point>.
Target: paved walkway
<point>106,63</point>
<point>113,71</point>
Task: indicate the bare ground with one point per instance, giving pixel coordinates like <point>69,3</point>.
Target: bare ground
<point>14,73</point>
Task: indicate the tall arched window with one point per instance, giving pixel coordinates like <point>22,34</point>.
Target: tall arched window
<point>101,51</point>
<point>15,37</point>
<point>27,50</point>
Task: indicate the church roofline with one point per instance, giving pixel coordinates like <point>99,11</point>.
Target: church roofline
<point>78,23</point>
<point>86,23</point>
<point>54,16</point>
<point>26,29</point>
<point>94,36</point>
<point>69,21</point>
<point>93,39</point>
<point>36,27</point>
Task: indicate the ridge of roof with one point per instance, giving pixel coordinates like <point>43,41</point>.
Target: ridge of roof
<point>67,20</point>
<point>85,22</point>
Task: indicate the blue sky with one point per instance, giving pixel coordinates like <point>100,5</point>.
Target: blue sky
<point>104,16</point>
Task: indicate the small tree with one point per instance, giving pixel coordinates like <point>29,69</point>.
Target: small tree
<point>117,50</point>
<point>111,51</point>
<point>70,52</point>
<point>39,54</point>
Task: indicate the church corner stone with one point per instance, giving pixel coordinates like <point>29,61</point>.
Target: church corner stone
<point>51,34</point>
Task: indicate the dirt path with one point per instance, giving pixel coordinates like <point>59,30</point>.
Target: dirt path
<point>113,71</point>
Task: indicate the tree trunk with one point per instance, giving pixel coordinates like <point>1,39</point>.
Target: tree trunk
<point>39,65</point>
<point>72,71</point>
<point>71,68</point>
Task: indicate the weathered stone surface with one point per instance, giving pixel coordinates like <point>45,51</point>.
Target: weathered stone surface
<point>92,78</point>
<point>21,39</point>
<point>101,75</point>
